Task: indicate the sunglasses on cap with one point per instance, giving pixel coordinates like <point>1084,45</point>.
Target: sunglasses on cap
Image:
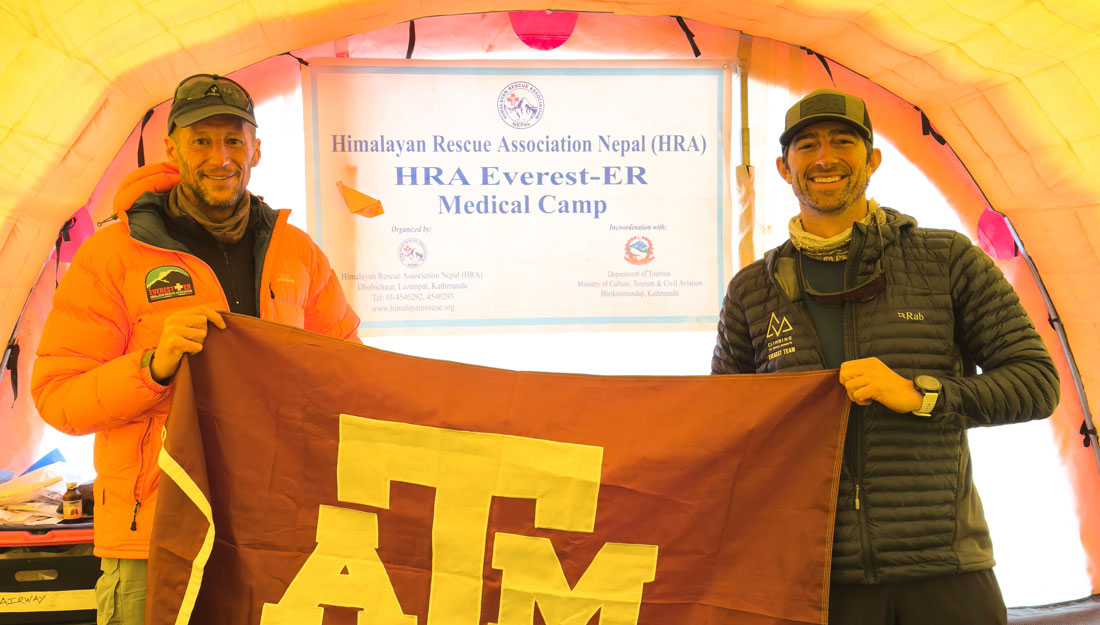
<point>202,86</point>
<point>205,95</point>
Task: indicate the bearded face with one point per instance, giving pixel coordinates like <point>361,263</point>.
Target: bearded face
<point>828,166</point>
<point>215,158</point>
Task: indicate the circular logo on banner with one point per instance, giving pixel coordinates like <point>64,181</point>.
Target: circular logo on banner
<point>639,251</point>
<point>520,105</point>
<point>412,252</point>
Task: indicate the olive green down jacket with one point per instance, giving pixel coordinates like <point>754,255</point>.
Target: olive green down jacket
<point>946,310</point>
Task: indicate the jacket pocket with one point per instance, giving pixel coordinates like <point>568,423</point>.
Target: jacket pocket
<point>286,292</point>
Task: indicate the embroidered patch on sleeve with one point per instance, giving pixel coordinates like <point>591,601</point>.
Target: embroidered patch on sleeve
<point>167,282</point>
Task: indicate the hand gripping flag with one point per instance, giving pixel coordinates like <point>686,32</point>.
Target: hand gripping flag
<point>310,481</point>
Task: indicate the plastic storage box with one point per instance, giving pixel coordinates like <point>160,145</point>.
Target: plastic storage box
<point>47,575</point>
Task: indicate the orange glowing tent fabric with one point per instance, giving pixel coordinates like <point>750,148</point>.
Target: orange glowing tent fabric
<point>343,476</point>
<point>1013,87</point>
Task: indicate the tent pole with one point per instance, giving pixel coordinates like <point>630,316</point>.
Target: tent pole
<point>1056,323</point>
<point>746,194</point>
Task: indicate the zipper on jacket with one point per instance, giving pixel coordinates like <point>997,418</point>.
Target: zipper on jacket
<point>851,351</point>
<point>804,316</point>
<point>139,483</point>
<point>861,510</point>
<point>263,246</point>
<point>229,270</point>
<point>804,312</point>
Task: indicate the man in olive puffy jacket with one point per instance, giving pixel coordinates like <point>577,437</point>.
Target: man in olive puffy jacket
<point>906,314</point>
<point>141,293</point>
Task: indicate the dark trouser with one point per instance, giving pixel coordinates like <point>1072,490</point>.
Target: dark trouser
<point>963,599</point>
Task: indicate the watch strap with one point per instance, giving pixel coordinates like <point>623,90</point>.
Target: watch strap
<point>927,404</point>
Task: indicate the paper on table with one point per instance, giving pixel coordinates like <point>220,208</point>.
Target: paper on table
<point>30,486</point>
<point>33,513</point>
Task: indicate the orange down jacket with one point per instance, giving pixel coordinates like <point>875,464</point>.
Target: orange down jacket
<point>92,374</point>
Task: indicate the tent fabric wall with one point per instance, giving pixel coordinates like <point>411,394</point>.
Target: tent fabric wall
<point>1013,86</point>
<point>23,423</point>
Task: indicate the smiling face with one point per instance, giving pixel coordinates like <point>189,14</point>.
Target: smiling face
<point>215,158</point>
<point>828,166</point>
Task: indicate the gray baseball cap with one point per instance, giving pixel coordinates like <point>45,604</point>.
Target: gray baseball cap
<point>826,104</point>
<point>205,95</point>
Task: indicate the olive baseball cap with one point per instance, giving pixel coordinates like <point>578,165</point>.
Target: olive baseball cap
<point>823,105</point>
<point>205,95</point>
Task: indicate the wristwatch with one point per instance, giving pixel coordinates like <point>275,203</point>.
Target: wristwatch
<point>930,386</point>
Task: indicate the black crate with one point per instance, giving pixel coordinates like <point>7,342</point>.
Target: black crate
<point>51,584</point>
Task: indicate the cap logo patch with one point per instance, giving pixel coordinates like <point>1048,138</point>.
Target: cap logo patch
<point>167,282</point>
<point>824,103</point>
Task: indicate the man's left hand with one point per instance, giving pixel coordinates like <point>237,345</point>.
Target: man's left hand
<point>868,379</point>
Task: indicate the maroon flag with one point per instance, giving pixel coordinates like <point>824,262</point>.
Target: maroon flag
<point>313,481</point>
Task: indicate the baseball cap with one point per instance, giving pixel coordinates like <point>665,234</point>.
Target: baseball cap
<point>205,95</point>
<point>823,105</point>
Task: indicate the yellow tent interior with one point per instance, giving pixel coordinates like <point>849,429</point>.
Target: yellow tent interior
<point>1013,87</point>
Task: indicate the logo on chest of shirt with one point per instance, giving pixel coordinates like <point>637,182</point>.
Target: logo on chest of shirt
<point>780,340</point>
<point>167,282</point>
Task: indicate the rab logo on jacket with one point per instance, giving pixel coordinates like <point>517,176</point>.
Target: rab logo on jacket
<point>168,282</point>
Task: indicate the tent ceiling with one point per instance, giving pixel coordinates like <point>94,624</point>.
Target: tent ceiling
<point>1013,86</point>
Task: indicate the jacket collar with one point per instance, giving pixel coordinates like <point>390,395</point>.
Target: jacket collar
<point>781,265</point>
<point>146,216</point>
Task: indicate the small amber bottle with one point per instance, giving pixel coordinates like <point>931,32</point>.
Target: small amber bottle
<point>71,507</point>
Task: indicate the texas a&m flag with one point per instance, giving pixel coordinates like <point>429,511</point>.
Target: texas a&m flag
<point>310,481</point>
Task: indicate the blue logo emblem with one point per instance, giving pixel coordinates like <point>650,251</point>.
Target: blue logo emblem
<point>638,251</point>
<point>520,105</point>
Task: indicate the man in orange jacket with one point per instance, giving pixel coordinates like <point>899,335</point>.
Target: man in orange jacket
<point>140,294</point>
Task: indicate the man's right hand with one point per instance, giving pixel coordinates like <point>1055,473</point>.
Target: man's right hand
<point>183,333</point>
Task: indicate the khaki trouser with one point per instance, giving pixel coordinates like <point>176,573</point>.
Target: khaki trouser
<point>120,592</point>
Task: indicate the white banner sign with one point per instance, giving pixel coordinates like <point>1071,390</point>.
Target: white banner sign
<point>533,195</point>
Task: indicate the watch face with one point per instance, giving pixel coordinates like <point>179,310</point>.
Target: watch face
<point>927,383</point>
